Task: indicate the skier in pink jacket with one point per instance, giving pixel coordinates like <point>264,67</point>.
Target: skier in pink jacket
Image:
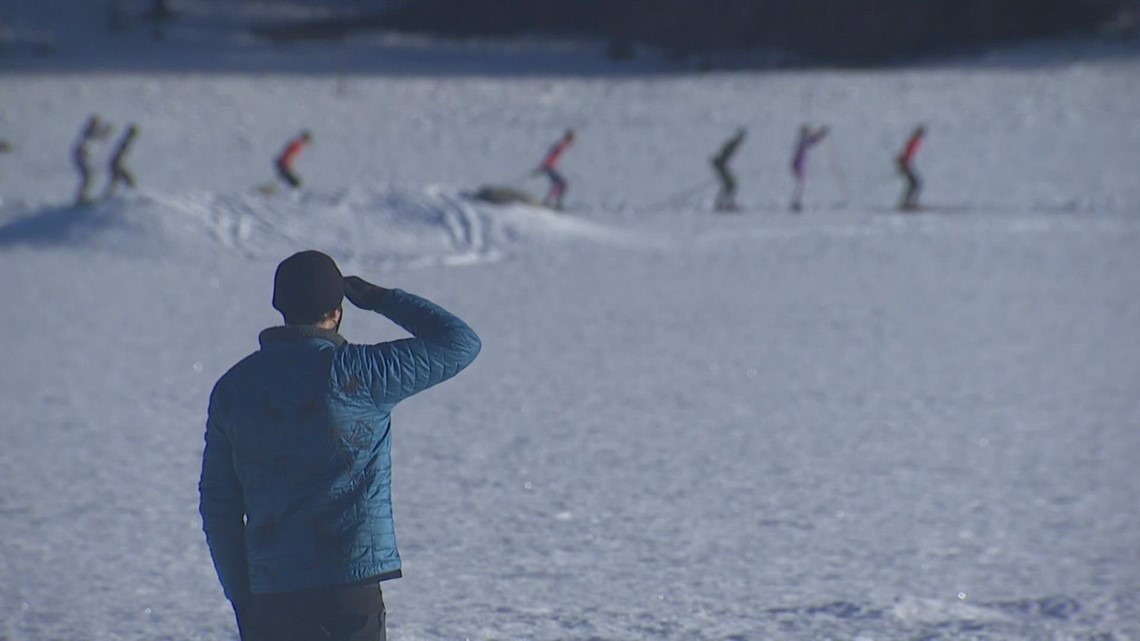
<point>549,167</point>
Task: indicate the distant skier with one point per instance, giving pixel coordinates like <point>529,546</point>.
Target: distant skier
<point>726,197</point>
<point>119,171</point>
<point>93,130</point>
<point>905,162</point>
<point>288,156</point>
<point>807,139</point>
<point>549,167</point>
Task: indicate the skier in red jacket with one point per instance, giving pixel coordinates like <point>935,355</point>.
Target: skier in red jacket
<point>905,162</point>
<point>549,167</point>
<point>288,156</point>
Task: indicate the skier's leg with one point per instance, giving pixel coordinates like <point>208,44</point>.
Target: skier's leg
<point>907,201</point>
<point>730,194</point>
<point>560,187</point>
<point>557,186</point>
<point>911,201</point>
<point>82,196</point>
<point>546,200</point>
<point>288,176</point>
<point>724,194</point>
<point>118,175</point>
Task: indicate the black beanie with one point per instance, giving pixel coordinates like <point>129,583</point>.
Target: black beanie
<point>307,286</point>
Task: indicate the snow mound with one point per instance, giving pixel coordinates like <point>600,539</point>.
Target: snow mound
<point>915,610</point>
<point>384,228</point>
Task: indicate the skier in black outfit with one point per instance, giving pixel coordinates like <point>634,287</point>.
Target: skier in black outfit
<point>726,197</point>
<point>94,130</point>
<point>119,172</point>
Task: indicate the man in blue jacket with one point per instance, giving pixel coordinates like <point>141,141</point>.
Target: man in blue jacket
<point>295,490</point>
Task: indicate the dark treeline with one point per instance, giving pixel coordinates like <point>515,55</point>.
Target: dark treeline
<point>852,31</point>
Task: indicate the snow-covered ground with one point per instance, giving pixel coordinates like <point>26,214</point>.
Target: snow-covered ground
<point>849,424</point>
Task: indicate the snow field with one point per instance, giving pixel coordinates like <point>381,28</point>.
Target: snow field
<point>847,424</point>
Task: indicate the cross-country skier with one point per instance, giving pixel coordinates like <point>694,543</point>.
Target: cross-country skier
<point>288,156</point>
<point>807,139</point>
<point>726,197</point>
<point>119,171</point>
<point>905,163</point>
<point>93,130</point>
<point>295,491</point>
<point>549,167</point>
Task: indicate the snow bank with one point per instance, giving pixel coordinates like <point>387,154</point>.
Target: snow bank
<point>383,228</point>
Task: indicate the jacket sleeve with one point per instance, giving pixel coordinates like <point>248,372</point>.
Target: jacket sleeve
<point>442,345</point>
<point>223,511</point>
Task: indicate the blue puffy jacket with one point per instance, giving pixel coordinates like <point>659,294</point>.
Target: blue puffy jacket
<point>296,474</point>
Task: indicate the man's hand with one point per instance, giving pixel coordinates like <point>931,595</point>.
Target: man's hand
<point>362,293</point>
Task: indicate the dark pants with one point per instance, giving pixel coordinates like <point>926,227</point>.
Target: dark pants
<point>798,193</point>
<point>288,175</point>
<point>83,194</point>
<point>726,198</point>
<point>557,189</point>
<point>913,187</point>
<point>119,174</point>
<point>342,613</point>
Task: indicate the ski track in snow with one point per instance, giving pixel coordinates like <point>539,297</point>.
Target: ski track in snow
<point>396,229</point>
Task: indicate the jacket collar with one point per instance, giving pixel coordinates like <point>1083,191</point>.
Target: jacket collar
<point>298,333</point>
